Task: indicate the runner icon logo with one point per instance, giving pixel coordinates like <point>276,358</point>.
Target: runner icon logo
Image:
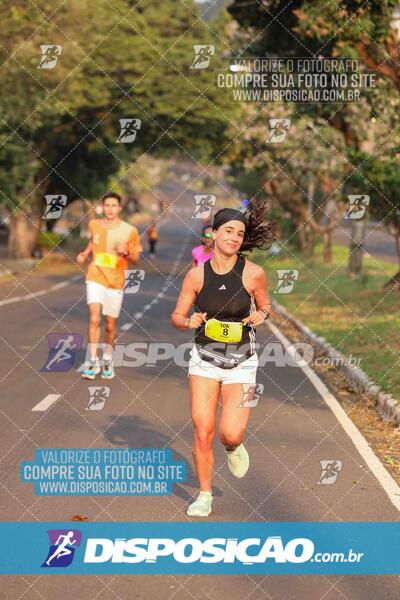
<point>62,547</point>
<point>203,205</point>
<point>133,279</point>
<point>50,54</point>
<point>329,471</point>
<point>202,55</point>
<point>55,204</point>
<point>278,130</point>
<point>357,206</point>
<point>62,351</point>
<point>286,280</point>
<point>98,397</point>
<point>251,394</point>
<point>129,129</point>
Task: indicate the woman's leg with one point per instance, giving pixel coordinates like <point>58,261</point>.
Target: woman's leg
<point>204,393</point>
<point>234,417</point>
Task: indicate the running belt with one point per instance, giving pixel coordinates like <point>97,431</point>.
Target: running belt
<point>224,297</point>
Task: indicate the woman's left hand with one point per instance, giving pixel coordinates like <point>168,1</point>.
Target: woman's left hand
<point>255,318</point>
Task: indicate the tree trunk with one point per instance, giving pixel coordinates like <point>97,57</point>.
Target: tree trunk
<point>356,246</point>
<point>327,238</point>
<point>309,241</point>
<point>397,242</point>
<point>23,233</point>
<point>300,237</point>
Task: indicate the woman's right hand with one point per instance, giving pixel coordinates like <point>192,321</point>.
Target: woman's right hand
<point>195,320</point>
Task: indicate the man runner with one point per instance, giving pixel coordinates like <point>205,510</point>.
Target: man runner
<point>112,243</point>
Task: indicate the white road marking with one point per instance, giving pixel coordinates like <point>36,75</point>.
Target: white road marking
<point>378,470</point>
<point>32,295</point>
<point>126,326</point>
<point>46,402</point>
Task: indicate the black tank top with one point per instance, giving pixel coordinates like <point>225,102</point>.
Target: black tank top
<point>225,298</point>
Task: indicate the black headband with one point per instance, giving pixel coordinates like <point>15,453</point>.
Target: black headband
<point>228,214</point>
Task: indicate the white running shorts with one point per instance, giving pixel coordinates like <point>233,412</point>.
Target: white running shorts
<point>110,299</point>
<point>245,372</point>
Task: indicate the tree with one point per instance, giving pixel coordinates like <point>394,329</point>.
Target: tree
<point>333,29</point>
<point>60,126</point>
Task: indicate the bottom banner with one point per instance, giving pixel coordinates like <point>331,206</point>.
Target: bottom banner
<point>200,548</point>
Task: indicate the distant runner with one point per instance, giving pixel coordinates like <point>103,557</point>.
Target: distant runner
<point>230,297</point>
<point>152,236</point>
<point>205,251</point>
<point>112,243</point>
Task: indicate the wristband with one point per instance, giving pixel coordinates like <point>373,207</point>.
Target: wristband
<point>266,313</point>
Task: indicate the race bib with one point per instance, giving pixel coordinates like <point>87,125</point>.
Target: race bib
<point>224,332</point>
<point>102,259</point>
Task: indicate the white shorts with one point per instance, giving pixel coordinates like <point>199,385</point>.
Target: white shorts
<point>245,372</point>
<point>110,299</point>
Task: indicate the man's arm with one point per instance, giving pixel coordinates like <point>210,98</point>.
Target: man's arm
<point>84,255</point>
<point>134,257</point>
<point>88,250</point>
<point>134,248</point>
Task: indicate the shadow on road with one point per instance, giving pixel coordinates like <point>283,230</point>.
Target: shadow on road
<point>134,432</point>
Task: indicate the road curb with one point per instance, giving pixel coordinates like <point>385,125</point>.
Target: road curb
<point>386,405</point>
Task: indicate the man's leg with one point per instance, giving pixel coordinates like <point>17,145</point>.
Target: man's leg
<point>94,329</point>
<point>110,335</point>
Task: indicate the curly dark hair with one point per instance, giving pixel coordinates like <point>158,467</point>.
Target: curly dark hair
<point>260,233</point>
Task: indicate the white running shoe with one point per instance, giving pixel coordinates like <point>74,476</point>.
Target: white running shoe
<point>238,461</point>
<point>201,507</point>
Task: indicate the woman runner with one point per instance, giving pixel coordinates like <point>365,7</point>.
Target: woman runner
<point>230,297</point>
<point>205,250</point>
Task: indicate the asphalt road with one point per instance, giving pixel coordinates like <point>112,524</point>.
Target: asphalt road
<point>291,430</point>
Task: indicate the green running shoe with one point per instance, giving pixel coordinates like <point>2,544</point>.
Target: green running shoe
<point>238,461</point>
<point>201,507</point>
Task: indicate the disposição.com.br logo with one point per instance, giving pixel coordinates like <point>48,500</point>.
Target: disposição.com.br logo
<point>62,547</point>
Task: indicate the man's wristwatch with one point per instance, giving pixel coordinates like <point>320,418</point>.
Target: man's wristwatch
<point>266,313</point>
